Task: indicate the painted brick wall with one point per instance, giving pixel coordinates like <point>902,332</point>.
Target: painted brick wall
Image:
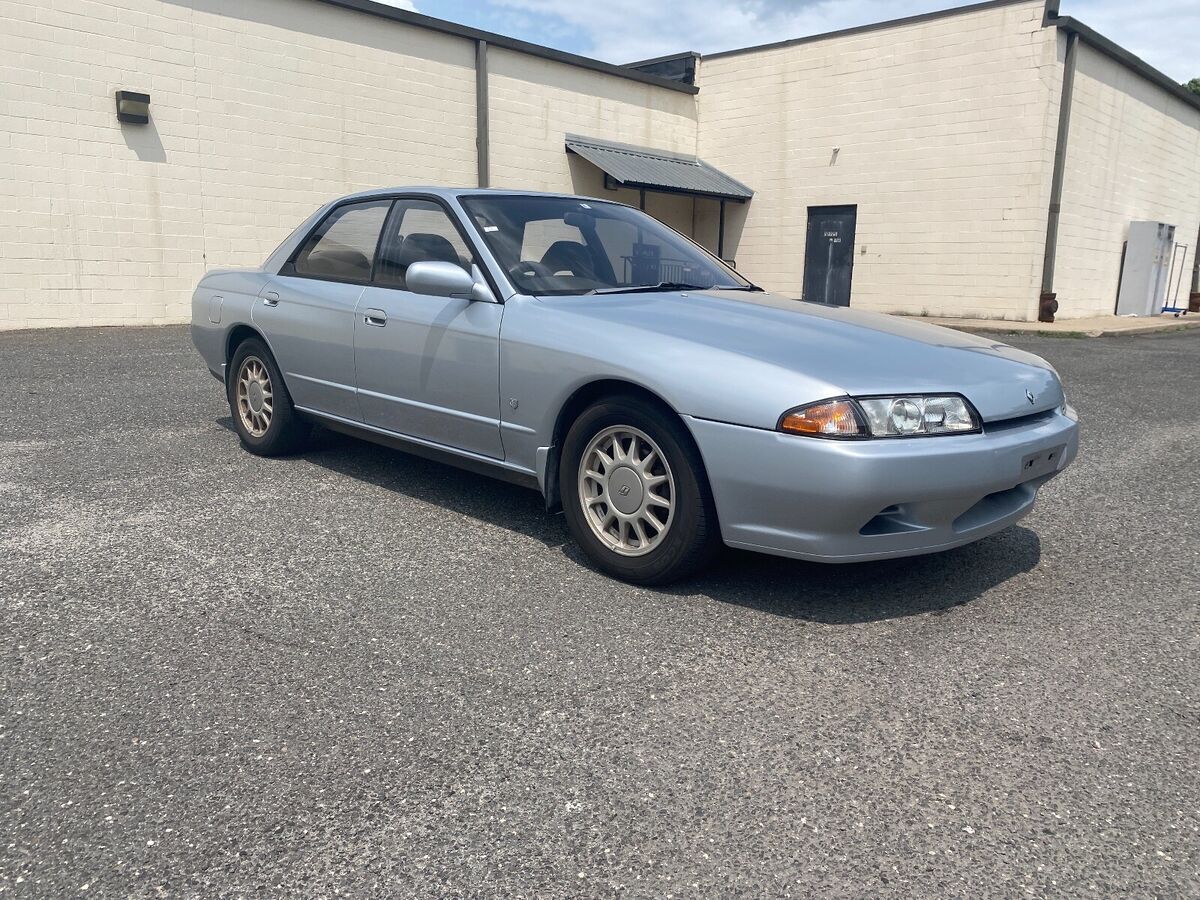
<point>1133,154</point>
<point>261,111</point>
<point>534,103</point>
<point>264,109</point>
<point>945,129</point>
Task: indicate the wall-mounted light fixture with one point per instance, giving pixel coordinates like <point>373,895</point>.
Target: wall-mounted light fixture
<point>133,107</point>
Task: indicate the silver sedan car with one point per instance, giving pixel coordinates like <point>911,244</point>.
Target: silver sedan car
<point>663,402</point>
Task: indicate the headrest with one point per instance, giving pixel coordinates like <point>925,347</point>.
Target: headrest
<point>426,248</point>
<point>568,256</point>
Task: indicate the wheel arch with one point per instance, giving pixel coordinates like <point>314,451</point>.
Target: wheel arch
<point>237,336</point>
<point>579,400</point>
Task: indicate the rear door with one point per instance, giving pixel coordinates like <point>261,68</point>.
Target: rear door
<point>829,254</point>
<point>307,312</point>
<point>428,367</point>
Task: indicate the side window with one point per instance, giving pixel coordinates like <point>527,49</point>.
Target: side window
<point>419,231</point>
<point>343,246</point>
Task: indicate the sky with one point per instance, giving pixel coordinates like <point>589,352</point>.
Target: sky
<point>1166,35</point>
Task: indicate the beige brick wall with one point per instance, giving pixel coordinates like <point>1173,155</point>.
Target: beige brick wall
<point>534,103</point>
<point>261,111</point>
<point>1133,154</point>
<point>945,129</point>
<point>264,109</point>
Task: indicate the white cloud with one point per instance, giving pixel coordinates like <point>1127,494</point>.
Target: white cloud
<point>1165,35</point>
<point>626,30</point>
<point>401,4</point>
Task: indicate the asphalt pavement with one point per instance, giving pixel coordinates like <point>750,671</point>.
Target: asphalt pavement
<point>357,673</point>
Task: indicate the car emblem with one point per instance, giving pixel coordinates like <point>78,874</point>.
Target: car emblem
<point>624,490</point>
<point>1029,397</point>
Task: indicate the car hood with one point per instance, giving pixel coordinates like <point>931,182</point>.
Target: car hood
<point>848,350</point>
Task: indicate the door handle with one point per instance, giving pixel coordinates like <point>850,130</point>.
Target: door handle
<point>270,298</point>
<point>375,317</point>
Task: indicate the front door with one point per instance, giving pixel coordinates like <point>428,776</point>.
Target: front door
<point>829,254</point>
<point>428,367</point>
<point>307,312</point>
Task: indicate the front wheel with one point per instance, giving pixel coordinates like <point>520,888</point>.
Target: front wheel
<point>261,406</point>
<point>635,493</point>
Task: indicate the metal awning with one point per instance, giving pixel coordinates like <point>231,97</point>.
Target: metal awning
<point>658,170</point>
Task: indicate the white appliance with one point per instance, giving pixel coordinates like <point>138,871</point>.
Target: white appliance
<point>1145,272</point>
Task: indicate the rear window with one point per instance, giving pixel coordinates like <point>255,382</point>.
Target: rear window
<point>343,246</point>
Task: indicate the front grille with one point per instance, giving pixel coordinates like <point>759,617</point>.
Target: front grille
<point>1019,421</point>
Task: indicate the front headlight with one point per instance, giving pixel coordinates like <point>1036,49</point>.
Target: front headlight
<point>909,416</point>
<point>829,418</point>
<point>855,418</point>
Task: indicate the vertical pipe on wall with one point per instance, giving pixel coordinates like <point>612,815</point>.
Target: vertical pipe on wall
<point>481,113</point>
<point>1060,164</point>
<point>721,233</point>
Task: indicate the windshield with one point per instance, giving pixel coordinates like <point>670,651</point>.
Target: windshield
<point>566,245</point>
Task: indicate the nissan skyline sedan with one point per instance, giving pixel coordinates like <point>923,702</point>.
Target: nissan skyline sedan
<point>663,402</point>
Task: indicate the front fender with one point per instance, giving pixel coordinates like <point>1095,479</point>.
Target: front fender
<point>548,354</point>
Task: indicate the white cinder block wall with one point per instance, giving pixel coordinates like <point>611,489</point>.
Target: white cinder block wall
<point>264,109</point>
<point>261,110</point>
<point>1133,154</point>
<point>944,130</point>
<point>533,103</point>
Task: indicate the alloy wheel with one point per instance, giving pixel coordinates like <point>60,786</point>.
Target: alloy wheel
<point>254,396</point>
<point>626,490</point>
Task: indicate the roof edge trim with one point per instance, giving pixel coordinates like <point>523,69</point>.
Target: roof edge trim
<point>372,8</point>
<point>1118,53</point>
<point>683,54</point>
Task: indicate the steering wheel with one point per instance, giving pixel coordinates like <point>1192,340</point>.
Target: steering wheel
<point>521,270</point>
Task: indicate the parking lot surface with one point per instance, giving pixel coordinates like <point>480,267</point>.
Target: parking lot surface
<point>357,673</point>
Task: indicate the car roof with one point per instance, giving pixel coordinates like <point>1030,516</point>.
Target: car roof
<point>449,192</point>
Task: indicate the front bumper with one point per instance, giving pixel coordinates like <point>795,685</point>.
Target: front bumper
<point>849,501</point>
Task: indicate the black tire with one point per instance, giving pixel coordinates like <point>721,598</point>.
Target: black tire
<point>285,432</point>
<point>692,536</point>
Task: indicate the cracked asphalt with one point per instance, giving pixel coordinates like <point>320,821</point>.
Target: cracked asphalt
<point>356,673</point>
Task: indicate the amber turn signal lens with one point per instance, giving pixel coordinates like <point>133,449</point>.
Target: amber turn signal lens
<point>832,418</point>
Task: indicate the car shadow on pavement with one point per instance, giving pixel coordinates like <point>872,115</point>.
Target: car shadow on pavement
<point>829,594</point>
<point>496,502</point>
<point>869,591</point>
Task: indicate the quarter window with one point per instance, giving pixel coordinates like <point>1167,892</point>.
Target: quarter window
<point>343,246</point>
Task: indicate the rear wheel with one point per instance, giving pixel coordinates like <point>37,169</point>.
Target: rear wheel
<point>262,410</point>
<point>635,494</point>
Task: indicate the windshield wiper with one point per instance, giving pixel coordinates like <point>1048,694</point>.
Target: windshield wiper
<point>648,288</point>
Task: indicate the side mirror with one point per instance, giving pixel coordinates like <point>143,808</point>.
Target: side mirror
<point>439,279</point>
<point>444,279</point>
